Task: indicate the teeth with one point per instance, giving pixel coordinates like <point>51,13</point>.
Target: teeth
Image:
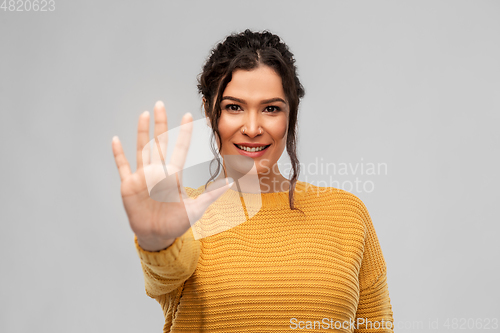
<point>254,149</point>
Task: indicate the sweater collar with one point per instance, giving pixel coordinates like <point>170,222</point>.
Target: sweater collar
<point>258,201</point>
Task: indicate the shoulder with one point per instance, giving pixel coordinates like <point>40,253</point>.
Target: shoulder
<point>328,195</point>
<point>333,200</point>
<point>194,192</point>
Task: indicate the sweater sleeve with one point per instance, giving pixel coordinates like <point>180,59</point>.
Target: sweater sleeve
<point>374,313</point>
<point>166,270</point>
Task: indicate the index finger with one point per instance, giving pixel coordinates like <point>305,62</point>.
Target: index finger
<point>182,144</point>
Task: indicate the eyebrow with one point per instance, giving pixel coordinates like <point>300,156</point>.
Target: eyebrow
<point>266,101</point>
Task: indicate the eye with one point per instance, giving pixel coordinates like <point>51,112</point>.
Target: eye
<point>273,109</point>
<point>233,107</point>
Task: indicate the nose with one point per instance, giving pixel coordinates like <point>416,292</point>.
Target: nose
<point>252,125</point>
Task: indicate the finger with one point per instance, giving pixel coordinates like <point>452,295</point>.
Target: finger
<point>142,140</point>
<point>211,194</point>
<point>160,132</point>
<point>120,159</point>
<point>182,144</point>
<point>195,208</point>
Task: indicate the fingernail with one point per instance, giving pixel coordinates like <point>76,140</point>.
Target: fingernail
<point>146,113</point>
<point>115,138</point>
<point>159,104</point>
<point>189,114</point>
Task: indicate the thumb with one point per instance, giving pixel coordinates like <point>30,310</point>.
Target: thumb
<point>213,192</point>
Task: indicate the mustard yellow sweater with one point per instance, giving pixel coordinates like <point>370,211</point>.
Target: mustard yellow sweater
<point>316,270</point>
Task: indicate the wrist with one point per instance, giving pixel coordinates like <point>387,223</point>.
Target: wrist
<point>154,245</point>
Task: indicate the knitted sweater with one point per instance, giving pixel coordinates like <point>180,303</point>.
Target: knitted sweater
<point>319,268</point>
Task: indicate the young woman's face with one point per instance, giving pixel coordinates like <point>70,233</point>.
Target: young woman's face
<point>254,115</point>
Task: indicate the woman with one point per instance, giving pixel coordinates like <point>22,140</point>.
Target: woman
<point>302,257</point>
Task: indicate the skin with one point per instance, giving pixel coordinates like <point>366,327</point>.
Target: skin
<point>157,224</point>
<point>244,105</point>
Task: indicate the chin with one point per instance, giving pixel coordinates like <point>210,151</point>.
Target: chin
<point>264,170</point>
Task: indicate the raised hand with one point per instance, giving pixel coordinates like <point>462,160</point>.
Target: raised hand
<point>158,219</point>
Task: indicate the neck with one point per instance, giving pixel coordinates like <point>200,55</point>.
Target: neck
<point>268,183</point>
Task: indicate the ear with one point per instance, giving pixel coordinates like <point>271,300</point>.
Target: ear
<point>206,114</point>
<point>205,106</point>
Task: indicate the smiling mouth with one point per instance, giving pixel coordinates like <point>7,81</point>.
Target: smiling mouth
<point>251,149</point>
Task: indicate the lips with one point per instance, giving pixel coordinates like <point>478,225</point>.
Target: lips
<point>251,147</point>
<point>251,144</point>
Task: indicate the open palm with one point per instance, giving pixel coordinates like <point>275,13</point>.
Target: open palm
<point>160,214</point>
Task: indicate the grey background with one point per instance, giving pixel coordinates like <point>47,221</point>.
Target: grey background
<point>413,84</point>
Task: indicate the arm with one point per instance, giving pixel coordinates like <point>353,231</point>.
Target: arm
<point>374,303</point>
<point>166,270</point>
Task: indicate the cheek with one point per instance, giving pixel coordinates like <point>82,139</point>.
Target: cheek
<point>280,130</point>
<point>226,128</point>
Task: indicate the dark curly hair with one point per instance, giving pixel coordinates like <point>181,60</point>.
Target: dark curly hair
<point>247,50</point>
